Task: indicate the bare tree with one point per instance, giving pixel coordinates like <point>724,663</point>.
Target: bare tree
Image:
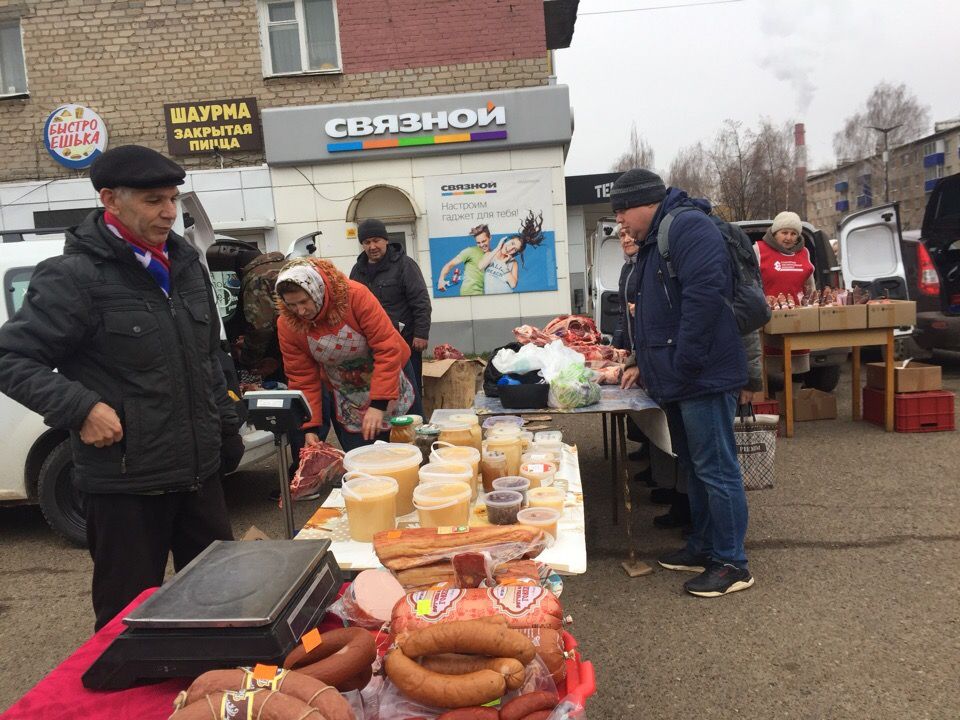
<point>640,154</point>
<point>691,171</point>
<point>887,106</point>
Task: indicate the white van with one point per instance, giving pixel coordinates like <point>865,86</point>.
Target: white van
<point>35,461</point>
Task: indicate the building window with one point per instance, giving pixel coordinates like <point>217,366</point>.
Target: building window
<point>13,70</point>
<point>299,36</point>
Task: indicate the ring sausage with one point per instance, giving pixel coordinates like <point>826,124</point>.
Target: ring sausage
<point>453,664</point>
<point>316,694</point>
<point>342,656</point>
<point>438,690</point>
<point>267,705</point>
<point>520,707</point>
<point>471,637</point>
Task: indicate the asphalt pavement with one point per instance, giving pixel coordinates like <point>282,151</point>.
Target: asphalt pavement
<point>856,555</point>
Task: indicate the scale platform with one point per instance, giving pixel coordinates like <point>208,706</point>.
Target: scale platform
<point>238,603</point>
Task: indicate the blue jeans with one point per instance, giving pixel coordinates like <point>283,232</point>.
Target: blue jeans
<point>701,431</point>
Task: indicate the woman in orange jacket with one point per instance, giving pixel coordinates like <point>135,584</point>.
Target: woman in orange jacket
<point>334,333</point>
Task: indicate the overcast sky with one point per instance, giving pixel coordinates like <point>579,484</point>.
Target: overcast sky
<point>681,72</point>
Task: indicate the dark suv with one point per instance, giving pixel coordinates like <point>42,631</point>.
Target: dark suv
<point>931,259</point>
<point>824,364</point>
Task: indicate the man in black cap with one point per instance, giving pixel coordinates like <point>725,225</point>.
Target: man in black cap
<point>398,284</point>
<point>692,362</point>
<point>128,319</point>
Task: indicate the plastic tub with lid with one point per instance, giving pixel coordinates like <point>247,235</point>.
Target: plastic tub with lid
<point>503,420</point>
<point>397,460</point>
<point>542,517</point>
<point>549,497</point>
<point>472,422</point>
<point>444,452</point>
<point>503,506</point>
<point>446,471</point>
<point>513,482</point>
<point>442,504</point>
<point>549,436</point>
<point>456,433</point>
<point>510,445</point>
<point>371,503</point>
<point>539,474</point>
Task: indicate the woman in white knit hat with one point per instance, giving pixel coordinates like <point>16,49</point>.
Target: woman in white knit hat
<point>786,267</point>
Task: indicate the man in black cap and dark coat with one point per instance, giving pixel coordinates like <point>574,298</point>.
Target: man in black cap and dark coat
<point>398,284</point>
<point>127,318</point>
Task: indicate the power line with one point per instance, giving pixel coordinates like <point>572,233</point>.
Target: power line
<point>660,7</point>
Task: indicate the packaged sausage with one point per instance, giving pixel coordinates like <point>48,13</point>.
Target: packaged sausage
<point>531,609</point>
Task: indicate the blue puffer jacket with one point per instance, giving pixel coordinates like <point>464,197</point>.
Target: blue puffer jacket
<point>686,338</point>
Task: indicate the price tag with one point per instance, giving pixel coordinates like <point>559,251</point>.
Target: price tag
<point>452,529</point>
<point>264,672</point>
<point>311,640</point>
<point>394,534</point>
<point>423,607</point>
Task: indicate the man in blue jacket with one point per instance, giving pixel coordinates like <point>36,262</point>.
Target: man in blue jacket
<point>691,360</point>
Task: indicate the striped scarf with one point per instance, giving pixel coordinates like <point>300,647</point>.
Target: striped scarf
<point>155,260</point>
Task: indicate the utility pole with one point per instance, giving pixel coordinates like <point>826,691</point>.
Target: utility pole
<point>886,158</point>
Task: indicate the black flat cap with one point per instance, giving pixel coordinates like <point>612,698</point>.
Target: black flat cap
<point>135,166</point>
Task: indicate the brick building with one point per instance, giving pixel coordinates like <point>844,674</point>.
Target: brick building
<point>913,170</point>
<point>475,74</point>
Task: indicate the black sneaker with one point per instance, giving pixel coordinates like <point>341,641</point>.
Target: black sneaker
<point>685,561</point>
<point>637,455</point>
<point>670,520</point>
<point>719,580</point>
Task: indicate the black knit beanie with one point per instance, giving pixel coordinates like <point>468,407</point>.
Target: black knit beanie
<point>371,228</point>
<point>637,187</point>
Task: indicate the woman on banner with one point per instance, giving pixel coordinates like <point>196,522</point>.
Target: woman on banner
<point>500,269</point>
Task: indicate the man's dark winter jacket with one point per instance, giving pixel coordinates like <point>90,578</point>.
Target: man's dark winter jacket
<point>398,284</point>
<point>686,340</point>
<point>627,291</point>
<point>98,316</point>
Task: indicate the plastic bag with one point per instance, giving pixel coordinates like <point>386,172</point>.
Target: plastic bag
<point>573,387</point>
<point>557,357</point>
<point>528,358</point>
<point>319,464</point>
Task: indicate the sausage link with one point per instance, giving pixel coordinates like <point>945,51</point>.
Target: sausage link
<point>455,664</point>
<point>437,690</point>
<point>520,707</point>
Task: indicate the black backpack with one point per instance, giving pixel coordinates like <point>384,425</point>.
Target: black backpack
<point>749,302</point>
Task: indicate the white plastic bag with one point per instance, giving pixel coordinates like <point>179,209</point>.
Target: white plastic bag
<point>556,357</point>
<point>529,357</point>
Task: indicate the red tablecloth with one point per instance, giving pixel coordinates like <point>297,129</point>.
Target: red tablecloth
<point>61,694</point>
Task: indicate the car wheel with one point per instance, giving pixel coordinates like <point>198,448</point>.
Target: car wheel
<point>823,378</point>
<point>61,503</point>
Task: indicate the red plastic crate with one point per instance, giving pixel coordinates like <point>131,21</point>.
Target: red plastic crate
<point>912,412</point>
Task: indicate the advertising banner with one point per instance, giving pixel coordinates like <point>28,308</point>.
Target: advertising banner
<point>211,126</point>
<point>491,233</point>
<point>75,136</point>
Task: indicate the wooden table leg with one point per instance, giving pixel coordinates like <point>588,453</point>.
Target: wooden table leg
<point>606,440</point>
<point>855,382</point>
<point>615,462</point>
<point>763,369</point>
<point>787,386</point>
<point>888,398</point>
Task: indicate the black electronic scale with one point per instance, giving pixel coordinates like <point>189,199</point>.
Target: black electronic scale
<point>237,603</point>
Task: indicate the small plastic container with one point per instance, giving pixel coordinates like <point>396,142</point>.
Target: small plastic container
<point>504,430</point>
<point>543,446</point>
<point>493,465</point>
<point>442,504</point>
<point>371,504</point>
<point>402,429</point>
<point>397,460</point>
<point>541,517</point>
<point>444,472</point>
<point>502,420</point>
<point>513,482</point>
<point>540,456</point>
<point>549,436</point>
<point>526,440</point>
<point>509,444</point>
<point>456,434</point>
<point>539,474</point>
<point>546,497</point>
<point>444,453</point>
<point>503,506</point>
<point>472,422</point>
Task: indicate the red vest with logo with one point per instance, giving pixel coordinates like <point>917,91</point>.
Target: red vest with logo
<point>782,273</point>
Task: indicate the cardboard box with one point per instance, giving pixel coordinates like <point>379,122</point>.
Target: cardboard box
<point>797,320</point>
<point>915,377</point>
<point>450,383</point>
<point>895,313</point>
<point>811,404</point>
<point>843,317</point>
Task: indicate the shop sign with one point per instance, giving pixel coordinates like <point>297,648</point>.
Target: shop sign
<point>491,233</point>
<point>209,126</point>
<point>418,126</point>
<point>75,136</point>
<point>590,189</point>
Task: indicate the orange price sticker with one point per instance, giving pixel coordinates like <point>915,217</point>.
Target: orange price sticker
<point>264,672</point>
<point>394,534</point>
<point>311,640</point>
